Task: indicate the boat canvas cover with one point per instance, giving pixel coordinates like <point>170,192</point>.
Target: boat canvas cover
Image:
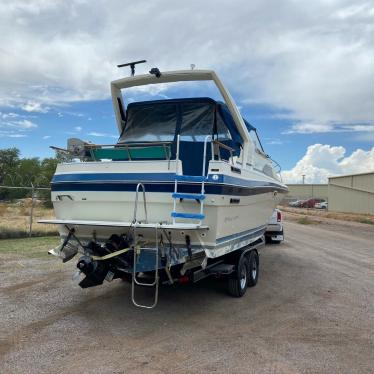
<point>193,119</point>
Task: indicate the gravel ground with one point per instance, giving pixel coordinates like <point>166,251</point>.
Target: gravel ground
<point>311,312</point>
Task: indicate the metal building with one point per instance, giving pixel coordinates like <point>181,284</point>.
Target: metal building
<point>307,191</point>
<point>352,193</point>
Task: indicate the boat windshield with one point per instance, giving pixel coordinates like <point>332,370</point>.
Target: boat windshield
<point>256,141</point>
<point>149,123</point>
<point>162,120</point>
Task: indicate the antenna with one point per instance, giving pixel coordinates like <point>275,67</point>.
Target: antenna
<point>132,65</point>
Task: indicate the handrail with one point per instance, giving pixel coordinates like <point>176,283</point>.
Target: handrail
<point>135,281</point>
<point>136,203</point>
<point>201,179</point>
<point>261,153</point>
<point>176,173</point>
<point>279,168</point>
<point>208,137</point>
<point>128,144</point>
<point>204,155</point>
<point>276,164</point>
<point>224,146</point>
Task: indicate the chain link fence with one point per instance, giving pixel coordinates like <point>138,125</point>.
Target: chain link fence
<point>20,209</point>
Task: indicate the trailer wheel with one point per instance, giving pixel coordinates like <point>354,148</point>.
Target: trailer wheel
<point>253,268</point>
<point>238,284</point>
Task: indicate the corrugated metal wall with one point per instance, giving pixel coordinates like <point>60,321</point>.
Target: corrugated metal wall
<point>352,193</point>
<point>307,191</point>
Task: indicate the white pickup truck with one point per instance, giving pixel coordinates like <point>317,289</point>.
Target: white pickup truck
<point>274,232</point>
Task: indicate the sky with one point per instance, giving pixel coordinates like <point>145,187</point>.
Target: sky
<point>301,72</point>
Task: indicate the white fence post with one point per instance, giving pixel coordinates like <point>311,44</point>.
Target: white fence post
<point>32,208</point>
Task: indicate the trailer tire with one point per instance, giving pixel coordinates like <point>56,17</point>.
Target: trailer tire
<point>253,268</point>
<point>237,285</point>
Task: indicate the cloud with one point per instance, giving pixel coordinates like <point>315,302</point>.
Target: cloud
<point>24,124</point>
<point>13,127</point>
<point>102,134</point>
<point>322,161</point>
<point>8,115</point>
<point>77,129</point>
<point>20,125</point>
<point>17,135</point>
<point>312,128</point>
<point>315,63</point>
<point>73,114</point>
<point>309,128</point>
<point>11,134</point>
<point>273,141</point>
<point>46,137</point>
<point>33,106</point>
<point>364,137</point>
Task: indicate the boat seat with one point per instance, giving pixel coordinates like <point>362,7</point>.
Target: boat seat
<point>128,153</point>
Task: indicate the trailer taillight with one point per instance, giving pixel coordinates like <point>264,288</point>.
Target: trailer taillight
<point>279,216</point>
<point>184,279</point>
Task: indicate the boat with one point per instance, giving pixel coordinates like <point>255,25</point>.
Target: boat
<point>186,185</point>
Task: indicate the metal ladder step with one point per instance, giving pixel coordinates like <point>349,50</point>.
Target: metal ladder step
<point>177,195</point>
<point>191,178</point>
<point>137,252</point>
<point>187,215</point>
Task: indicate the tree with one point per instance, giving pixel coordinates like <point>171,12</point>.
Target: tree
<point>22,172</point>
<point>48,168</point>
<point>9,158</point>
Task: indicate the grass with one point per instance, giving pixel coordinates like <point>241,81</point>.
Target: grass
<point>15,220</point>
<point>365,220</point>
<point>305,221</point>
<point>323,213</point>
<point>30,247</point>
<point>3,209</point>
<point>17,233</point>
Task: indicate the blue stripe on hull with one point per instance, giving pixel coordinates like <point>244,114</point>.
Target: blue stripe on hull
<point>240,235</point>
<point>155,178</point>
<point>212,189</point>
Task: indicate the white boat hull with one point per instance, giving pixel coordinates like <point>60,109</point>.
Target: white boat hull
<point>233,221</point>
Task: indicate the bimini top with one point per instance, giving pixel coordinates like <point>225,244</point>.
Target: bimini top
<point>193,119</point>
<point>182,76</point>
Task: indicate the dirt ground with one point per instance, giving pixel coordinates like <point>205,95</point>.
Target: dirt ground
<point>311,312</point>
